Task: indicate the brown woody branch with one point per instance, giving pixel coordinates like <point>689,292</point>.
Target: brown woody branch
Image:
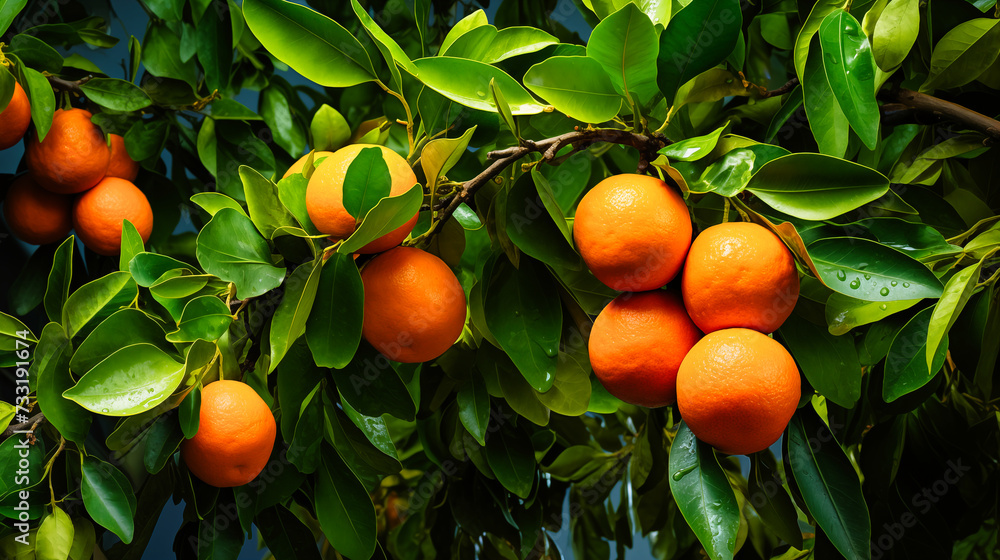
<point>647,145</point>
<point>31,423</point>
<point>789,86</point>
<point>60,84</point>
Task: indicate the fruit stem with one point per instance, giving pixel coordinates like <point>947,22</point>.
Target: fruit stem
<point>409,117</point>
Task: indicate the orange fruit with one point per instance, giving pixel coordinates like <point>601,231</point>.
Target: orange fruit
<point>637,343</point>
<point>301,162</point>
<point>15,118</point>
<point>325,196</point>
<point>235,435</point>
<point>98,215</point>
<point>737,389</point>
<point>36,215</point>
<point>74,156</point>
<point>121,164</point>
<point>633,232</point>
<point>414,305</point>
<point>739,274</point>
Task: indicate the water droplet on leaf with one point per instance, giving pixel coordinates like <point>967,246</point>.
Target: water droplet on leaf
<point>855,284</point>
<point>841,275</point>
<point>906,284</point>
<point>884,292</point>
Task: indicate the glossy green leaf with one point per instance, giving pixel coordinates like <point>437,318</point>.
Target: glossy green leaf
<point>7,413</point>
<point>467,82</point>
<point>219,536</point>
<point>697,38</point>
<point>132,380</point>
<point>693,149</point>
<point>703,495</point>
<point>387,215</point>
<point>189,413</point>
<point>36,53</point>
<point>625,44</point>
<point>7,82</point>
<point>51,370</point>
<point>810,27</point>
<point>472,21</point>
<point>117,95</point>
<point>372,387</point>
<point>212,202</point>
<point>329,129</point>
<point>374,428</point>
<point>366,183</point>
<point>230,109</point>
<point>474,408</point>
<point>770,500</point>
<point>8,11</point>
<point>850,69</point>
<point>289,321</point>
<point>524,314</point>
<point>532,229</point>
<point>108,497</point>
<point>570,392</point>
<point>393,53</point>
<point>866,270</point>
<point>96,300</point>
<point>895,33</point>
<point>510,456</point>
<point>263,203</point>
<point>906,366</point>
<point>827,121</point>
<point>230,248</point>
<point>843,313</point>
<point>214,42</point>
<point>276,106</point>
<point>162,440</point>
<point>314,45</point>
<point>123,328</point>
<point>575,85</point>
<point>440,155</point>
<point>57,285</point>
<point>160,46</point>
<point>11,450</point>
<point>285,536</point>
<point>204,317</point>
<point>815,186</point>
<point>830,363</point>
<point>828,484</point>
<point>42,99</point>
<point>789,107</point>
<point>55,536</point>
<point>957,292</point>
<point>333,330</point>
<point>132,245</point>
<point>148,268</point>
<point>486,44</point>
<point>344,510</point>
<point>916,240</point>
<point>84,539</point>
<point>963,54</point>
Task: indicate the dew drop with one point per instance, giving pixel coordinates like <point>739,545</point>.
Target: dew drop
<point>883,307</point>
<point>906,284</point>
<point>841,275</point>
<point>868,276</point>
<point>884,292</point>
<point>104,410</point>
<point>682,473</point>
<point>893,283</point>
<point>855,284</point>
<point>481,94</point>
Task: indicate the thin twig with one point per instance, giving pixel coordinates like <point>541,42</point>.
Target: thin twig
<point>789,86</point>
<point>66,85</point>
<point>930,105</point>
<point>33,422</point>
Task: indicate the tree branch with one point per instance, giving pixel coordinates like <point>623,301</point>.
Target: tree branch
<point>789,86</point>
<point>32,422</point>
<point>647,145</point>
<point>58,83</point>
<point>922,103</point>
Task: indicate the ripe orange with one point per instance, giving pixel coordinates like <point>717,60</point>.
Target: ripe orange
<point>325,196</point>
<point>414,305</point>
<point>235,435</point>
<point>637,344</point>
<point>633,232</point>
<point>739,274</point>
<point>15,118</point>
<point>301,162</point>
<point>74,156</point>
<point>737,389</point>
<point>36,215</point>
<point>98,215</point>
<point>121,165</point>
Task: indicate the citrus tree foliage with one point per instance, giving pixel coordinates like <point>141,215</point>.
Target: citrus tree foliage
<point>859,132</point>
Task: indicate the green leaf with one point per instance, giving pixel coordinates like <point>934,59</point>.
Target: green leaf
<point>625,44</point>
<point>12,460</point>
<point>230,109</point>
<point>830,363</point>
<point>770,500</point>
<point>867,270</point>
<point>230,248</point>
<point>486,44</point>
<point>393,53</point>
<point>843,313</point>
<point>534,232</point>
<point>42,99</point>
<point>441,154</point>
<point>390,213</point>
<point>148,268</point>
<point>108,497</point>
<point>372,387</point>
<point>789,107</point>
<point>11,335</point>
<point>159,55</point>
<point>523,312</point>
<point>7,413</point>
<point>94,301</point>
<point>131,246</point>
<point>374,429</point>
<point>162,441</point>
<point>916,240</point>
<point>366,183</point>
<point>703,495</point>
<point>292,193</point>
<point>117,95</point>
<point>570,392</point>
<point>828,484</point>
<point>575,85</point>
<point>57,286</point>
<point>189,413</point>
<point>344,510</point>
<point>204,317</point>
<point>212,202</point>
<point>51,371</point>
<point>7,87</point>
<point>135,57</point>
<point>236,145</point>
<point>333,330</point>
<point>850,69</point>
<point>697,38</point>
<point>276,106</point>
<point>146,140</point>
<point>906,366</point>
<point>957,292</point>
<point>504,109</point>
<point>694,148</point>
<point>474,407</point>
<point>815,186</point>
<point>263,203</point>
<point>132,380</point>
<point>55,536</point>
<point>36,53</point>
<point>84,539</point>
<point>214,41</point>
<point>467,82</point>
<point>964,53</point>
<point>510,456</point>
<point>895,33</point>
<point>314,45</point>
<point>289,321</point>
<point>827,121</point>
<point>285,536</point>
<point>810,27</point>
<point>8,11</point>
<point>329,129</point>
<point>220,537</point>
<point>468,23</point>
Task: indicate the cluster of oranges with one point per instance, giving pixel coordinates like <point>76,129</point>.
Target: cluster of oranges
<point>704,346</point>
<point>75,180</point>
